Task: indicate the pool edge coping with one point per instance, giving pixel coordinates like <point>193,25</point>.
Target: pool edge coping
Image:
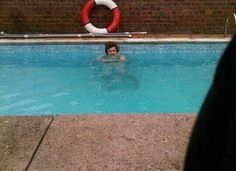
<point>170,114</point>
<point>118,40</point>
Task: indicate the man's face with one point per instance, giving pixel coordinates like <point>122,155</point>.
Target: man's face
<point>111,51</point>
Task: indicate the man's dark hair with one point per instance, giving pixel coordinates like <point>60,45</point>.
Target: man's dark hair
<point>110,45</point>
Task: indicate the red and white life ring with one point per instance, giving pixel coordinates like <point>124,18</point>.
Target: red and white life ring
<point>89,5</point>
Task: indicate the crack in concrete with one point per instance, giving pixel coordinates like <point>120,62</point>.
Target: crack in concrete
<point>39,143</point>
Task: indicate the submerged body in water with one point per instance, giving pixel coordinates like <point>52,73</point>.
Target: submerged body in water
<point>115,76</point>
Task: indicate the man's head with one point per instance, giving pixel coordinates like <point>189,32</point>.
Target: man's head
<point>111,48</point>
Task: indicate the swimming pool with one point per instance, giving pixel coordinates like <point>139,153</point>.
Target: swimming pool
<point>66,79</point>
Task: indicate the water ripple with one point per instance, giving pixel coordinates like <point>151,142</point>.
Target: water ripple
<point>17,104</point>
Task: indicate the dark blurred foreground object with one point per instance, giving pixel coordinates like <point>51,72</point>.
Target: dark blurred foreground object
<point>212,145</point>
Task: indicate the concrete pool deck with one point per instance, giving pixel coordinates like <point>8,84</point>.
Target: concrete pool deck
<point>95,142</point>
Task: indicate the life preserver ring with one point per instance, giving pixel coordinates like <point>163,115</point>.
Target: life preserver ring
<point>89,5</point>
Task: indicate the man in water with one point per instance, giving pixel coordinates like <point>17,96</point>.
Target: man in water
<point>114,71</point>
<point>112,54</point>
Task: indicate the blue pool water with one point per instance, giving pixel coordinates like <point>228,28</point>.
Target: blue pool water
<point>66,79</point>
